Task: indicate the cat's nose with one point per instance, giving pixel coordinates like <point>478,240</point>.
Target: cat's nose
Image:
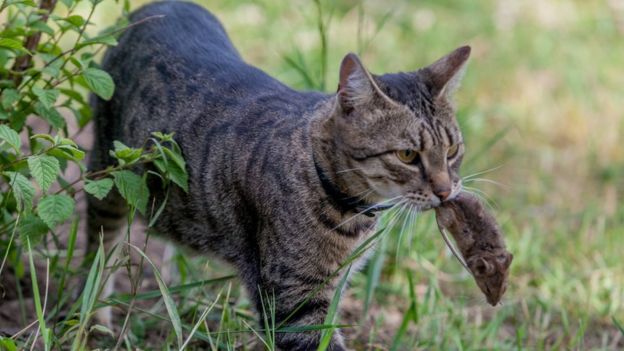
<point>443,193</point>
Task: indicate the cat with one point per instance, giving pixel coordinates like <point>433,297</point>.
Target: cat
<point>283,184</point>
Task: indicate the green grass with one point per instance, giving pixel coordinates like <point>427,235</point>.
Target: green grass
<point>540,104</point>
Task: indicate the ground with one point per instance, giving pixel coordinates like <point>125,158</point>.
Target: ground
<point>540,109</point>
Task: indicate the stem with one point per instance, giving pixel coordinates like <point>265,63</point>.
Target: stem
<point>23,62</point>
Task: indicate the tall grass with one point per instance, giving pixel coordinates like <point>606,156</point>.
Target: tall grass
<point>540,113</point>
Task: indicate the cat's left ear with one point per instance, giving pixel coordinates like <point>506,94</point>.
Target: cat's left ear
<point>444,75</point>
<point>357,88</point>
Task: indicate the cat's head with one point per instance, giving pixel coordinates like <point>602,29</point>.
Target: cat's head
<point>395,136</point>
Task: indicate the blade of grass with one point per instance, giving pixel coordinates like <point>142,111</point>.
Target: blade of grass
<point>410,315</point>
<point>618,325</point>
<point>373,274</point>
<point>90,295</point>
<point>172,290</point>
<point>73,233</point>
<point>169,303</point>
<point>45,332</point>
<point>485,147</point>
<point>201,319</point>
<point>326,335</point>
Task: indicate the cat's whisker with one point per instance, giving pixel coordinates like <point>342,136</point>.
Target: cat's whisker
<point>402,231</point>
<point>368,209</point>
<point>481,172</point>
<point>481,195</point>
<point>395,217</point>
<point>412,228</point>
<point>484,180</point>
<point>363,194</point>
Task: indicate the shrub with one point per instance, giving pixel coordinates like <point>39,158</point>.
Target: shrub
<point>41,79</point>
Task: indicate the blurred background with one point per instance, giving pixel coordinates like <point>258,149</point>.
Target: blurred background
<point>542,115</point>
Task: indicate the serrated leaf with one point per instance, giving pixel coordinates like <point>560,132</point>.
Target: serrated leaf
<point>11,137</point>
<point>172,168</point>
<point>67,152</point>
<point>125,153</point>
<point>51,115</point>
<point>46,137</point>
<point>132,188</point>
<point>9,97</point>
<point>11,44</point>
<point>99,188</point>
<point>46,96</point>
<point>45,169</point>
<point>99,82</point>
<point>32,227</point>
<point>55,209</point>
<point>54,68</point>
<point>23,191</point>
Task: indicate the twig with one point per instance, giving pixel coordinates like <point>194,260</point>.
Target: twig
<point>23,62</point>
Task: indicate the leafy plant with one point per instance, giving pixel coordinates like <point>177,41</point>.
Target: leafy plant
<point>44,82</point>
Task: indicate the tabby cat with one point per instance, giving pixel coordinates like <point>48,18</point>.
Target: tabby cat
<point>283,184</point>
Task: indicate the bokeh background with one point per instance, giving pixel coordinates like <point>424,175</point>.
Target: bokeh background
<point>542,112</point>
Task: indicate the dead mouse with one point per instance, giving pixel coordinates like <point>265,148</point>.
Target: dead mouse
<point>480,242</point>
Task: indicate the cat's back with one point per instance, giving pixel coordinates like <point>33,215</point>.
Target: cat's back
<point>182,44</point>
<point>181,29</point>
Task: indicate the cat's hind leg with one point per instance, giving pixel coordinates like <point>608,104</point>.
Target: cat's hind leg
<point>301,302</point>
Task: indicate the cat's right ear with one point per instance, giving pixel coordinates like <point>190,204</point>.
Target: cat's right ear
<point>356,87</point>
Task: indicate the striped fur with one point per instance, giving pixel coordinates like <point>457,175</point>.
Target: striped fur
<point>255,198</point>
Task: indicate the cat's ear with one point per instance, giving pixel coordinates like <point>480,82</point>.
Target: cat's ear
<point>444,75</point>
<point>356,87</point>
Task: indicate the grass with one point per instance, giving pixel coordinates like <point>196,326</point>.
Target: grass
<point>540,106</point>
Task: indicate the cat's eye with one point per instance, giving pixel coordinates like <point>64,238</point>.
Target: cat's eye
<point>407,156</point>
<point>452,151</point>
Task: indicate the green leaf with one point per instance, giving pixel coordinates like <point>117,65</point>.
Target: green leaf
<point>104,39</point>
<point>32,227</point>
<point>76,20</point>
<point>132,188</point>
<point>9,97</point>
<point>11,137</point>
<point>42,27</point>
<point>30,3</point>
<point>11,44</point>
<point>99,82</point>
<point>125,153</point>
<point>7,344</point>
<point>51,115</point>
<point>55,209</point>
<point>45,169</point>
<point>46,96</point>
<point>74,95</point>
<point>178,176</point>
<point>23,191</point>
<point>67,152</point>
<point>99,188</point>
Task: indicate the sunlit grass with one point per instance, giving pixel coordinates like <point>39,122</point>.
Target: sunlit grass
<point>541,103</point>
